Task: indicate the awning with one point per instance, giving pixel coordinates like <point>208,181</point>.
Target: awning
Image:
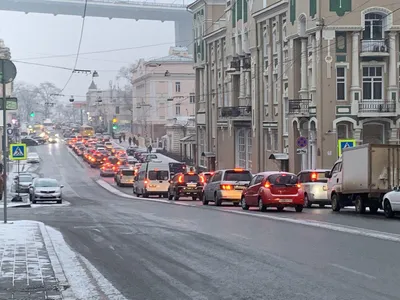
<point>208,154</point>
<point>189,138</point>
<point>279,156</point>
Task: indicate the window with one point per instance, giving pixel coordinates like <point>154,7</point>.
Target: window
<point>372,83</point>
<point>237,176</point>
<point>342,131</point>
<point>268,141</point>
<point>202,147</point>
<point>192,98</point>
<point>286,115</point>
<point>341,83</point>
<point>373,27</point>
<point>243,148</point>
<point>177,87</point>
<point>178,109</point>
<point>158,175</point>
<point>276,140</point>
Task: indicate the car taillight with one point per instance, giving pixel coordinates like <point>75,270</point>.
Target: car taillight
<point>314,176</point>
<point>267,185</point>
<point>202,180</point>
<point>180,179</point>
<point>226,187</point>
<point>145,182</point>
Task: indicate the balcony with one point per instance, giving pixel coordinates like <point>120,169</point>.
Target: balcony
<point>235,112</point>
<point>376,108</point>
<point>299,107</point>
<point>374,48</point>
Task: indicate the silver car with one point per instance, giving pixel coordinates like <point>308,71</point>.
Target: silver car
<point>33,158</point>
<point>45,189</point>
<point>22,183</point>
<point>315,186</point>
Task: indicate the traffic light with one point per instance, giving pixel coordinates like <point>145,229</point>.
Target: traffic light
<point>32,114</point>
<point>115,125</point>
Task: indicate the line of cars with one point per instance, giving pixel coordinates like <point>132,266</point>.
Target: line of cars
<point>38,189</point>
<point>111,160</point>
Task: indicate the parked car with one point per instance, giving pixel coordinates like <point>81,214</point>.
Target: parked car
<point>22,183</point>
<point>45,189</point>
<point>33,158</point>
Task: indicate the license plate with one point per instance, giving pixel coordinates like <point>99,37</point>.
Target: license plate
<point>285,200</point>
<point>47,196</point>
<point>192,185</point>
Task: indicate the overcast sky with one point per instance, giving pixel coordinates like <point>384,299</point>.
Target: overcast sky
<point>30,36</point>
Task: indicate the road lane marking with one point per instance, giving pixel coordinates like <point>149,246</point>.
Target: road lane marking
<point>353,271</point>
<point>306,222</point>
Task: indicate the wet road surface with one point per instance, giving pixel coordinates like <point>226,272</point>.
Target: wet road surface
<point>150,250</point>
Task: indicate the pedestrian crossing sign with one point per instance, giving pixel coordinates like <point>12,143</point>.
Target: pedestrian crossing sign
<point>18,151</point>
<point>342,144</point>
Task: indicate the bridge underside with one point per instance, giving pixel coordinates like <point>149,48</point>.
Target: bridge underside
<point>182,18</point>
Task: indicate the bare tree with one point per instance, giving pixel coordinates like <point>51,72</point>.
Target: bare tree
<point>48,93</point>
<point>27,96</point>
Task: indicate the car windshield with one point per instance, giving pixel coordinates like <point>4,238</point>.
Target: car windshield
<point>158,175</point>
<point>46,183</point>
<point>237,176</point>
<point>283,179</point>
<point>318,177</point>
<point>25,178</point>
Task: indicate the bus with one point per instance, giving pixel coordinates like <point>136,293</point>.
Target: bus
<point>86,131</point>
<point>38,129</point>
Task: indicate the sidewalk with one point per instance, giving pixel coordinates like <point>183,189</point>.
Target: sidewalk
<point>37,264</point>
<point>25,265</point>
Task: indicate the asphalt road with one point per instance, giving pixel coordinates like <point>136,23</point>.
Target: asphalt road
<point>154,251</point>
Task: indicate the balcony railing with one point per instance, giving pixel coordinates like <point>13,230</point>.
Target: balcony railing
<point>299,106</point>
<point>234,112</point>
<point>377,106</point>
<point>376,47</point>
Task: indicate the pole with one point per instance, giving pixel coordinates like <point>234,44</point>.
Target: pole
<point>81,116</point>
<point>4,142</point>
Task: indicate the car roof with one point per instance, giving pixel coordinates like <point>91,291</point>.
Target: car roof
<point>46,179</point>
<point>315,170</point>
<point>268,173</point>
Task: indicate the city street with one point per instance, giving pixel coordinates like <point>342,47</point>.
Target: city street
<point>151,250</point>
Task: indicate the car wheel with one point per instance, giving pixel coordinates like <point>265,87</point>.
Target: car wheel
<point>387,208</point>
<point>280,208</point>
<point>243,204</point>
<point>321,205</point>
<point>59,201</point>
<point>194,198</point>
<point>217,200</point>
<point>176,197</point>
<point>261,206</point>
<point>33,201</point>
<point>359,205</point>
<point>299,208</point>
<point>169,196</point>
<point>307,202</point>
<point>335,202</point>
<point>204,199</point>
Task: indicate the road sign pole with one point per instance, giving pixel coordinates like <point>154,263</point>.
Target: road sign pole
<point>4,141</point>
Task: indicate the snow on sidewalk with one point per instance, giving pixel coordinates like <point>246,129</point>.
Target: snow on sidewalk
<point>36,263</point>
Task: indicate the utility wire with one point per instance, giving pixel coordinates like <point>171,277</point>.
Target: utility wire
<point>79,46</point>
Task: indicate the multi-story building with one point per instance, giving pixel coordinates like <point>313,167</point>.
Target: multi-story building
<point>162,89</point>
<point>344,79</point>
<point>102,106</point>
<point>286,80</point>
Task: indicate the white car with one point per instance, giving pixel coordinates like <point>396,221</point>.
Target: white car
<point>33,158</point>
<point>391,202</point>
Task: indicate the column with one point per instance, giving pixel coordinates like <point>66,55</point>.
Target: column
<point>393,138</point>
<point>357,135</point>
<point>304,81</point>
<point>242,85</point>
<point>314,69</point>
<point>355,73</point>
<point>392,87</point>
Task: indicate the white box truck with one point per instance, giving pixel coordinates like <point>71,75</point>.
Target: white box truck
<point>363,175</point>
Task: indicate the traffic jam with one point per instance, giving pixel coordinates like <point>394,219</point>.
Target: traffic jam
<point>151,175</point>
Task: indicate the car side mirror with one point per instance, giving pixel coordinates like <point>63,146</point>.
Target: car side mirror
<point>61,186</point>
<point>246,185</point>
<point>328,174</point>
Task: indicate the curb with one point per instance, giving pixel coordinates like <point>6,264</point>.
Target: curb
<point>65,287</point>
<point>75,157</point>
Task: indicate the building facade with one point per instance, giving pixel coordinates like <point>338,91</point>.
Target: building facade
<point>102,106</point>
<point>162,89</point>
<point>286,80</point>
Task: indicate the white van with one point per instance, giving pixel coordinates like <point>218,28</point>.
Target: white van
<point>152,179</point>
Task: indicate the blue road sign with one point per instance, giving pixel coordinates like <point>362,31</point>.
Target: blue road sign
<point>18,151</point>
<point>342,144</point>
<point>302,142</point>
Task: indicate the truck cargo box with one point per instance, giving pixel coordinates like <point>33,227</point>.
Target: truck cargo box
<point>370,168</point>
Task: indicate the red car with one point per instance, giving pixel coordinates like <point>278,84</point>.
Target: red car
<point>273,189</point>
